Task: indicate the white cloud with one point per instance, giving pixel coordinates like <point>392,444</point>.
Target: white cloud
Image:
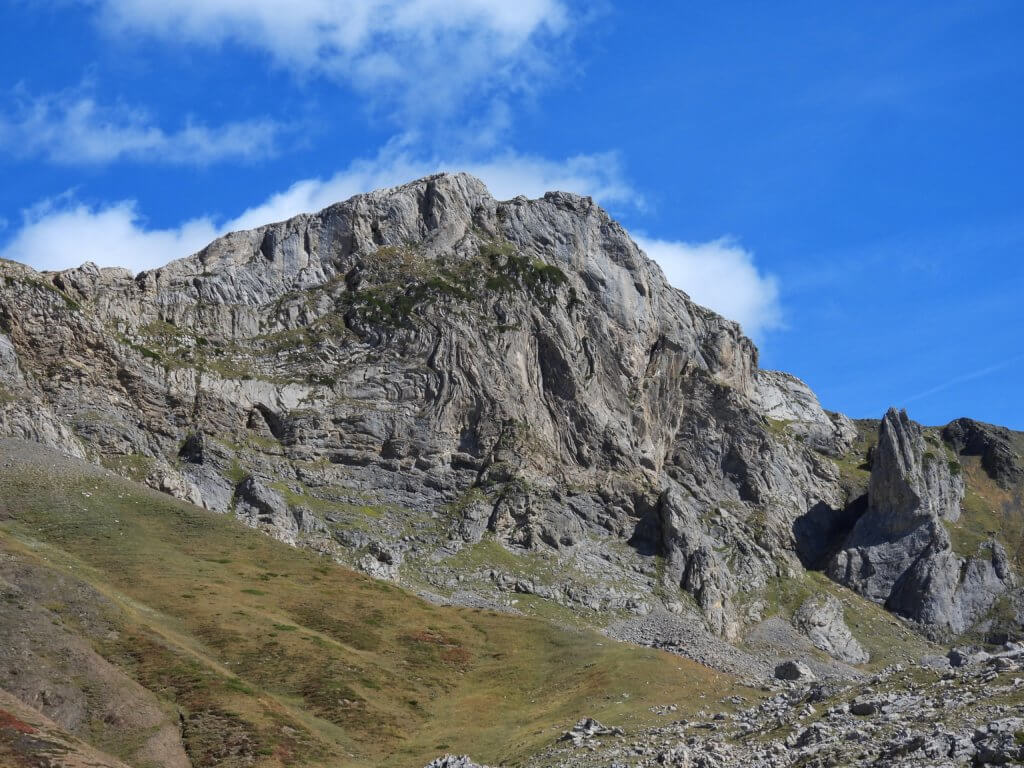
<point>722,276</point>
<point>58,235</point>
<point>506,175</point>
<point>72,128</point>
<point>419,55</point>
<point>63,233</point>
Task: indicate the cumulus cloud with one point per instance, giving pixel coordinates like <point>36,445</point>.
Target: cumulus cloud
<point>63,232</point>
<point>419,55</point>
<point>73,128</point>
<point>722,276</point>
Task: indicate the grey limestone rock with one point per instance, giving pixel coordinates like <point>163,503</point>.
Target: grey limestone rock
<point>794,670</point>
<point>588,728</point>
<point>261,507</point>
<point>454,761</point>
<point>381,561</point>
<point>899,552</point>
<point>999,742</point>
<point>786,399</point>
<point>820,618</point>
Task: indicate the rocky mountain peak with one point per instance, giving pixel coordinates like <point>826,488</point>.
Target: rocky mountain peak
<point>410,378</point>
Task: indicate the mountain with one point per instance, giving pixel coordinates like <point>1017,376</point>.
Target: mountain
<point>496,405</point>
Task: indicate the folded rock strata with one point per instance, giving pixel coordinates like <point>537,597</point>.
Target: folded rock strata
<point>424,369</point>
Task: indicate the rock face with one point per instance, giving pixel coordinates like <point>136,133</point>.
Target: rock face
<point>992,444</point>
<point>784,398</point>
<point>820,618</point>
<point>424,369</point>
<point>899,552</point>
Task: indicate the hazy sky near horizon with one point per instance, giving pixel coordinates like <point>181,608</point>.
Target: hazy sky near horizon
<point>844,179</point>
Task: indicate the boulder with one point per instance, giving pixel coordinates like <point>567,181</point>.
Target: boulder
<point>966,657</point>
<point>381,561</point>
<point>820,618</point>
<point>794,670</point>
<point>1000,742</point>
<point>261,507</point>
<point>586,729</point>
<point>453,761</point>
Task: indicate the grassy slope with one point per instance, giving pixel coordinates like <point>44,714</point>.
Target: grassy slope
<point>990,510</point>
<point>304,661</point>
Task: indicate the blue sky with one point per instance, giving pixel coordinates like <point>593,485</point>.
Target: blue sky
<point>846,179</point>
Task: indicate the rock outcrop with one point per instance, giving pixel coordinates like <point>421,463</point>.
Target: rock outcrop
<point>820,618</point>
<point>899,717</point>
<point>454,761</point>
<point>994,446</point>
<point>899,552</point>
<point>791,404</point>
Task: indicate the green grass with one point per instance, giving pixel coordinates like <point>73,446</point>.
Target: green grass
<point>239,631</point>
<point>779,427</point>
<point>488,553</point>
<point>132,465</point>
<point>321,506</point>
<point>853,466</point>
<point>989,511</point>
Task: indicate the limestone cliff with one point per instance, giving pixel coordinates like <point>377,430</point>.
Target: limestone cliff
<point>408,377</point>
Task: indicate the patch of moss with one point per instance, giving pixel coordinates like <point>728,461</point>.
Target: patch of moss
<point>779,427</point>
<point>511,270</point>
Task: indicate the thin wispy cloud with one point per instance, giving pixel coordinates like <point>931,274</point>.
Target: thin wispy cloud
<point>415,57</point>
<point>74,128</point>
<point>966,377</point>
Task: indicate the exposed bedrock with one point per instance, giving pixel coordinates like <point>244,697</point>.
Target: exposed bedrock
<point>415,370</point>
<point>899,552</point>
